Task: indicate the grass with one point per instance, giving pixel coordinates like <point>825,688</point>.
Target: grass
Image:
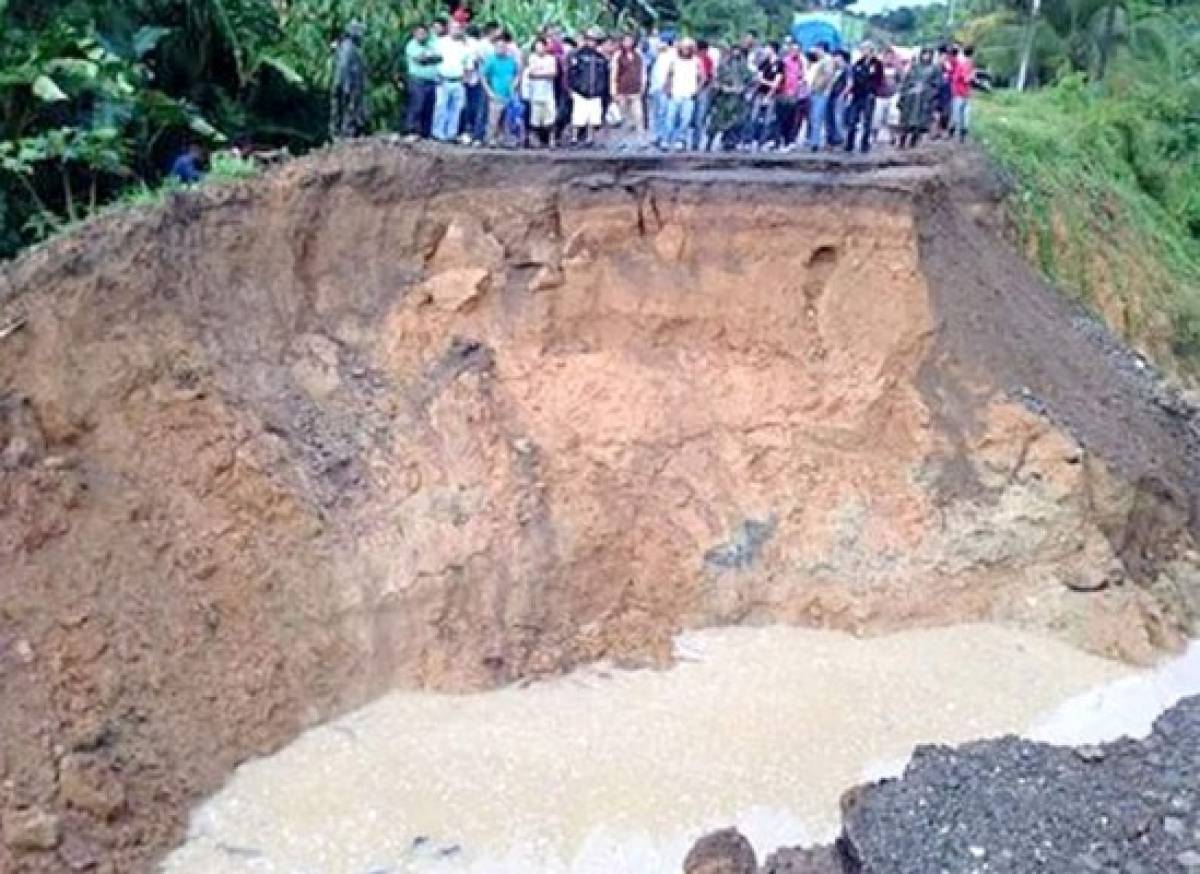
<point>225,167</point>
<point>1095,208</point>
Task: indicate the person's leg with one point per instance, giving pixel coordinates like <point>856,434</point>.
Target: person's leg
<point>658,117</point>
<point>774,132</point>
<point>670,123</point>
<point>637,112</point>
<point>458,102</point>
<point>482,117</point>
<point>852,123</point>
<point>494,120</point>
<point>868,121</point>
<point>700,118</point>
<point>789,122</point>
<point>441,112</point>
<point>470,106</point>
<point>816,120</point>
<point>430,102</point>
<point>687,113</point>
<point>412,107</point>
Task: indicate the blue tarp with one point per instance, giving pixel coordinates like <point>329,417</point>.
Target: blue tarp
<point>809,33</point>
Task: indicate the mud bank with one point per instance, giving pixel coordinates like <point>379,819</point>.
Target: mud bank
<point>402,419</point>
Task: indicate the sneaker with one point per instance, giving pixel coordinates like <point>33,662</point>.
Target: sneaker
<point>409,139</point>
<point>464,140</point>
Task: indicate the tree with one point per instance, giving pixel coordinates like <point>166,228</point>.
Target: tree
<point>721,18</point>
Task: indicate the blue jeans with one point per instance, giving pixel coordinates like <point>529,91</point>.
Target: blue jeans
<point>837,121</point>
<point>660,106</point>
<point>680,112</point>
<point>960,115</point>
<point>448,110</point>
<point>818,111</point>
<point>700,118</point>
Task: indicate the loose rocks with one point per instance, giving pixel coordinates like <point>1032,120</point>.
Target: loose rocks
<point>722,852</point>
<point>31,830</point>
<point>1017,806</point>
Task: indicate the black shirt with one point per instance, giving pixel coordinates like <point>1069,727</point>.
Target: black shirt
<point>771,71</point>
<point>866,77</point>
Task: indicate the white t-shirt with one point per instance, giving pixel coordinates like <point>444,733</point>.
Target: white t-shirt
<point>540,90</point>
<point>662,64</point>
<point>457,57</point>
<point>685,77</point>
<point>480,49</point>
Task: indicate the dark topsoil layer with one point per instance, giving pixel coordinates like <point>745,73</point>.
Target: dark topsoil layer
<point>1012,806</point>
<point>1001,326</point>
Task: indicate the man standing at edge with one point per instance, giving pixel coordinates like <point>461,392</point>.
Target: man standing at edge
<point>422,59</point>
<point>866,80</point>
<point>348,110</point>
<point>629,84</point>
<point>500,74</point>
<point>451,91</point>
<point>684,80</point>
<point>587,79</point>
<point>823,73</point>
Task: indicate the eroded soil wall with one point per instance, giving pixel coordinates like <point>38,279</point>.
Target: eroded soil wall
<point>394,418</point>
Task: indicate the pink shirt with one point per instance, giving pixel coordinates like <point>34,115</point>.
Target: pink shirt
<point>961,76</point>
<point>794,83</point>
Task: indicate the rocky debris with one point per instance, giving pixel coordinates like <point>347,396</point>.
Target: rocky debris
<point>803,860</point>
<point>87,784</point>
<point>466,243</point>
<point>31,830</point>
<point>453,290</point>
<point>21,440</point>
<point>722,852</point>
<point>1012,806</point>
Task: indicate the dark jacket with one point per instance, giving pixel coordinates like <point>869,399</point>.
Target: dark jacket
<point>866,77</point>
<point>587,73</point>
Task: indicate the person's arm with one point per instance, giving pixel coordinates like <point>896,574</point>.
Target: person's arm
<point>775,84</point>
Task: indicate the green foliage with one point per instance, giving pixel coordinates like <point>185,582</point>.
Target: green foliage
<point>79,118</point>
<point>1106,191</point>
<point>226,165</point>
<point>722,18</point>
<point>523,18</point>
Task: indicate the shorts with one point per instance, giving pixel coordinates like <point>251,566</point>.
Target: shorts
<point>586,111</point>
<point>543,113</point>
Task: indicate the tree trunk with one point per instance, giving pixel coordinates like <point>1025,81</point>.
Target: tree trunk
<point>1106,40</point>
<point>1027,49</point>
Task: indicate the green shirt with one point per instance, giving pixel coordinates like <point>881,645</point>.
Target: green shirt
<point>422,59</point>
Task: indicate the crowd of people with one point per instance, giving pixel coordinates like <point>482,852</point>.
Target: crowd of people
<point>474,85</point>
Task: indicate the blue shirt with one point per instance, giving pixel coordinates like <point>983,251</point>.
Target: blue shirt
<point>187,169</point>
<point>500,74</point>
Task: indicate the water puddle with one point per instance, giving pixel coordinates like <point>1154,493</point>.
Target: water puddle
<point>614,772</point>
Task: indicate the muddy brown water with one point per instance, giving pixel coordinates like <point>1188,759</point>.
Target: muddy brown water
<point>618,771</point>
